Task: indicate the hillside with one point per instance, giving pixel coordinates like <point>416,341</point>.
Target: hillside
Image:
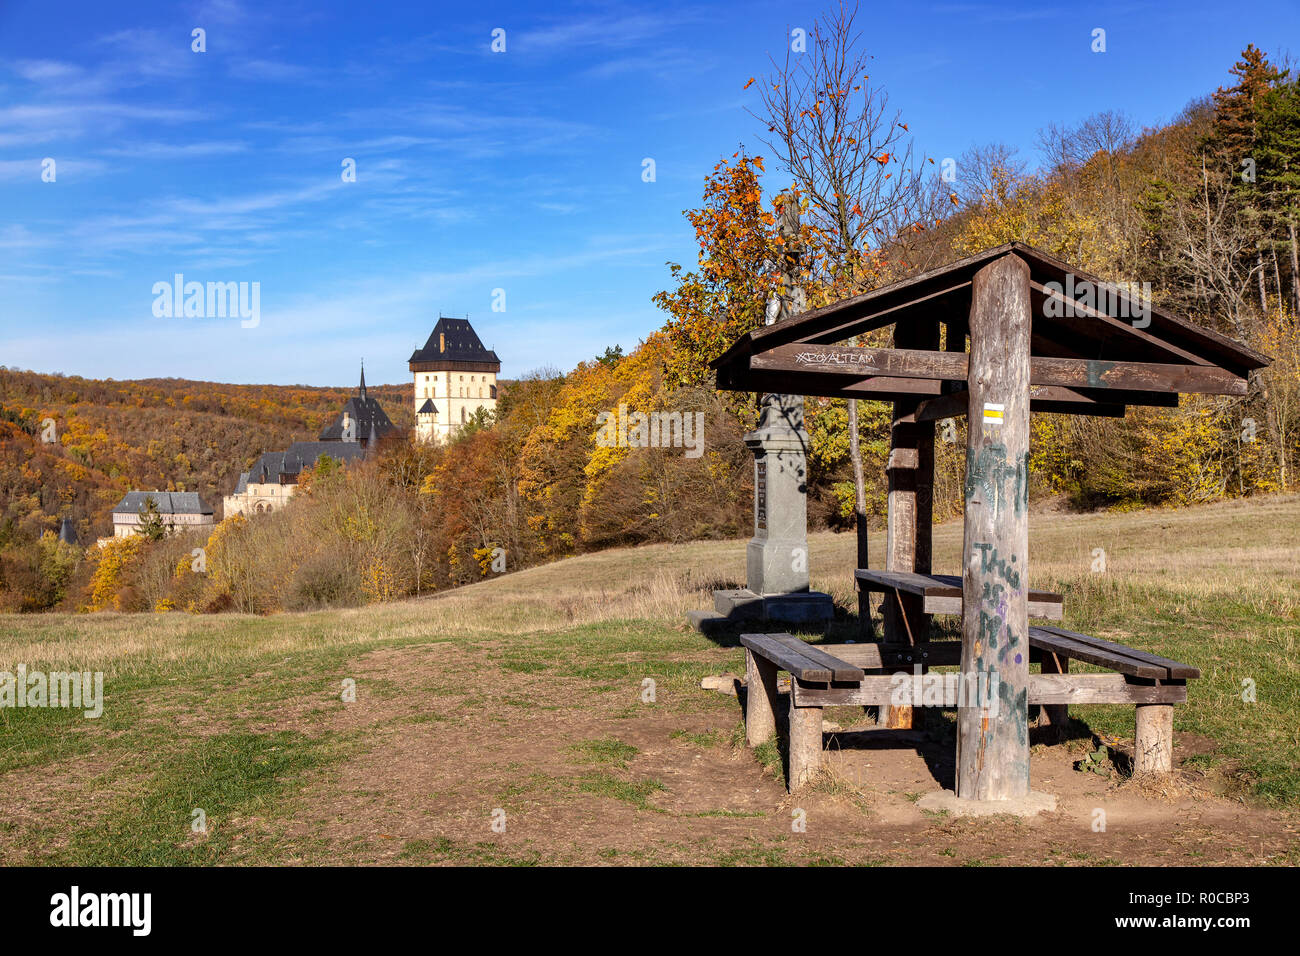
<point>524,693</point>
<point>164,434</point>
<point>539,480</point>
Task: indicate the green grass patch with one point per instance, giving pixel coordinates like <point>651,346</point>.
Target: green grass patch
<point>224,776</point>
<point>608,750</point>
<point>635,792</point>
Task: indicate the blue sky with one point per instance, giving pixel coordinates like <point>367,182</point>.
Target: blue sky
<point>476,170</point>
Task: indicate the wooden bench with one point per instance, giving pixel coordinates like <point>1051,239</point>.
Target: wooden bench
<point>858,675</point>
<point>942,593</point>
<point>1054,647</point>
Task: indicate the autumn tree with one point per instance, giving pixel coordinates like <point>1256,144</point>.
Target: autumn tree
<point>852,163</point>
<point>725,296</point>
<point>834,132</point>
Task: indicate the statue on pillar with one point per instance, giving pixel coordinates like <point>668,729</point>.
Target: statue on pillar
<point>777,555</point>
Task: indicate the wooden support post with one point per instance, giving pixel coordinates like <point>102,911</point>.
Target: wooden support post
<point>760,699</point>
<point>805,744</point>
<point>1153,749</point>
<point>1055,716</point>
<point>993,740</point>
<point>910,471</point>
<point>865,626</point>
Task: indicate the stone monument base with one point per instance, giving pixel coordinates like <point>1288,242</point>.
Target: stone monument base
<point>799,607</point>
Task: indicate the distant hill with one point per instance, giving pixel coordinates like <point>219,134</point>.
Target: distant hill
<point>166,434</point>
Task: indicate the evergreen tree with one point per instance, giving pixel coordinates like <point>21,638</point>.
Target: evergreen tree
<point>1278,157</point>
<point>151,522</point>
<point>1236,108</point>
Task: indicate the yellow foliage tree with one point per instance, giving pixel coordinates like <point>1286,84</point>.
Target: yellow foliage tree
<point>114,558</point>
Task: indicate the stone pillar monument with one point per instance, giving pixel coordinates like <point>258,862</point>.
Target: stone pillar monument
<point>777,555</point>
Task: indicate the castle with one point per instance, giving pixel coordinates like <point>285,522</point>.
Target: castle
<point>273,479</point>
<point>455,376</point>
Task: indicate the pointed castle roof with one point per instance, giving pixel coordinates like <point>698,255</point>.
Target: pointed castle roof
<point>454,341</point>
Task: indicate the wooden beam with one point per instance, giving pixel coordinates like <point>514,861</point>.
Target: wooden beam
<point>1056,399</point>
<point>1101,396</point>
<point>1049,690</point>
<point>1075,408</point>
<point>993,751</point>
<point>864,363</point>
<point>846,360</point>
<point>910,474</point>
<point>872,388</point>
<point>951,405</point>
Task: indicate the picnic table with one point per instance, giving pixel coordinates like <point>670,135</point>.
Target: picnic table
<point>992,337</point>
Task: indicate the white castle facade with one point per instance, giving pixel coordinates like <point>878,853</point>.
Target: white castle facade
<point>455,376</point>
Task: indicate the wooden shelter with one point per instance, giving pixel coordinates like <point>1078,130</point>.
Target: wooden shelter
<point>993,337</point>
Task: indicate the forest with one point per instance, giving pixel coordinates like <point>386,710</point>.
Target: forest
<point>1202,209</point>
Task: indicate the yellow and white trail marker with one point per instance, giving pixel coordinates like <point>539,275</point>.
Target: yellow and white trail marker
<point>993,413</point>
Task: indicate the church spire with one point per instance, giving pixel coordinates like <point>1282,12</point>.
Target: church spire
<point>363,380</point>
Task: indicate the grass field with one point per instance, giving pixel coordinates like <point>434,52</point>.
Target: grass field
<point>521,699</point>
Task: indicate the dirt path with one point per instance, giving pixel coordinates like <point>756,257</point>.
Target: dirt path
<point>556,756</point>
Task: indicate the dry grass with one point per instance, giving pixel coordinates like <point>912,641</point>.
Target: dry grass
<point>242,706</point>
<point>1247,553</point>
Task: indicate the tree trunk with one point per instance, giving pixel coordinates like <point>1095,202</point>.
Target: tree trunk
<point>1277,276</point>
<point>1259,266</point>
<point>1295,271</point>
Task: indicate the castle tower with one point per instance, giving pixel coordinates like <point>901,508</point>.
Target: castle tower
<point>455,376</point>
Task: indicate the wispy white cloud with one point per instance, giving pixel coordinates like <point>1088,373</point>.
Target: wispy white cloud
<point>18,236</point>
<point>39,71</point>
<point>172,151</point>
<point>272,70</point>
<point>607,32</point>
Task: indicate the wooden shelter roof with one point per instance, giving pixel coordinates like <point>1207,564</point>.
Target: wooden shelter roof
<point>1095,357</point>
